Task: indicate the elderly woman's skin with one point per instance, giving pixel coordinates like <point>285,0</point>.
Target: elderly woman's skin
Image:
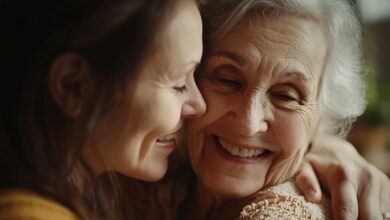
<point>261,83</point>
<point>236,118</point>
<point>344,174</point>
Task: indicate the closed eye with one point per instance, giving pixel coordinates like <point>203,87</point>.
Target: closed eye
<point>227,77</point>
<point>284,97</point>
<point>229,82</point>
<point>180,89</point>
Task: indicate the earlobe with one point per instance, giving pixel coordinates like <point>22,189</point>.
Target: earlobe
<point>68,80</point>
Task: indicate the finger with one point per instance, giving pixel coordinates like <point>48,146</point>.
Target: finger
<point>369,206</point>
<point>369,196</point>
<point>344,201</point>
<point>322,169</point>
<point>336,180</point>
<point>385,194</point>
<point>307,182</point>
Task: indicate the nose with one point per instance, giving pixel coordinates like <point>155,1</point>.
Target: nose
<point>250,116</point>
<point>195,105</point>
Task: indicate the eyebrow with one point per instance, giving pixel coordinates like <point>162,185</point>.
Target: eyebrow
<point>296,74</point>
<point>232,56</point>
<point>241,61</point>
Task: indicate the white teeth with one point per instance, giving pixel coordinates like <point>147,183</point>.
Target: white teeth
<point>240,152</point>
<point>167,137</point>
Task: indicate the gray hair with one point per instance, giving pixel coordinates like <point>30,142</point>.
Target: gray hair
<point>343,90</point>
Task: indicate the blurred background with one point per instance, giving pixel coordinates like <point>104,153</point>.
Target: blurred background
<point>371,132</point>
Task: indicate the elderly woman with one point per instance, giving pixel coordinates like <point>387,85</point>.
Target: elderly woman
<point>275,75</point>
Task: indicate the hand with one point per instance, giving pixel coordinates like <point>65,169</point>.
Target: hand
<point>357,188</point>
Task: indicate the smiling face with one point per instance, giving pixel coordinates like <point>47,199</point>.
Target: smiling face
<point>135,139</point>
<point>261,84</point>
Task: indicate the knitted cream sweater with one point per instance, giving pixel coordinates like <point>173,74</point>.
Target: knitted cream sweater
<point>283,202</point>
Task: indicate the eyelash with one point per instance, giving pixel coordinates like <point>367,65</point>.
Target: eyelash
<point>180,89</point>
<point>284,97</point>
<point>229,82</point>
<point>233,84</point>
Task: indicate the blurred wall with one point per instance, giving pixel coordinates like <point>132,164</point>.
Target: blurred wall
<point>371,132</point>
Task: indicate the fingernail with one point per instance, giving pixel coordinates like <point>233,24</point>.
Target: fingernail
<point>312,195</point>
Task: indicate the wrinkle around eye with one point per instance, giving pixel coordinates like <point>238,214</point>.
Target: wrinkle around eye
<point>218,86</point>
<point>292,105</point>
<point>227,76</point>
<point>225,85</point>
<point>289,92</point>
<point>284,100</point>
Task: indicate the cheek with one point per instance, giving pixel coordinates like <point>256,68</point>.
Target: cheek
<point>169,113</point>
<point>195,142</point>
<point>197,127</point>
<point>153,116</point>
<point>294,133</point>
<point>295,130</point>
<point>165,111</point>
<point>217,106</point>
<point>292,139</point>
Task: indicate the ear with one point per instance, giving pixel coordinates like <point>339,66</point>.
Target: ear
<point>68,81</point>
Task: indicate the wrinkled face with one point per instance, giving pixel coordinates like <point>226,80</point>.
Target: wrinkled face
<point>261,84</point>
<point>136,137</point>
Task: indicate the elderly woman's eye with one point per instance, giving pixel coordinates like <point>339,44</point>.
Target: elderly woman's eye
<point>229,82</point>
<point>285,94</point>
<point>284,97</point>
<point>226,76</point>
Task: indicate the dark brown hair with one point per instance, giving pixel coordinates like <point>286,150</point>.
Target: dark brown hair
<point>40,147</point>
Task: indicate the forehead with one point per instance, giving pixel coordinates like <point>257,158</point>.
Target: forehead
<point>180,42</point>
<point>289,38</point>
<point>183,30</point>
<point>179,45</point>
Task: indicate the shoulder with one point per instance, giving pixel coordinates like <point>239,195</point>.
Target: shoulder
<point>284,201</point>
<point>21,204</point>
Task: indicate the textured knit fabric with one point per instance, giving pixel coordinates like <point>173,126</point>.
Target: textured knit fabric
<point>284,202</point>
<point>19,204</point>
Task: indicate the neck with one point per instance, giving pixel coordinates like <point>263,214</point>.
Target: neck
<point>206,200</point>
<point>204,204</point>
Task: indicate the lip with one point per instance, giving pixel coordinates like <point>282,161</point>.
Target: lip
<point>223,153</point>
<point>247,146</point>
<point>169,144</point>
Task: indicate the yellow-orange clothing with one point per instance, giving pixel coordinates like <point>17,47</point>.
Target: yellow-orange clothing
<point>19,204</point>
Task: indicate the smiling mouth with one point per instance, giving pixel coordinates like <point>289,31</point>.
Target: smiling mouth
<point>167,138</point>
<point>240,151</point>
<point>166,141</point>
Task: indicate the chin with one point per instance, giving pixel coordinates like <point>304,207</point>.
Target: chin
<point>236,192</point>
<point>234,189</point>
<point>156,172</point>
<point>153,172</point>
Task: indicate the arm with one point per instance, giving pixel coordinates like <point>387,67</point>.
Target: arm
<point>356,187</point>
